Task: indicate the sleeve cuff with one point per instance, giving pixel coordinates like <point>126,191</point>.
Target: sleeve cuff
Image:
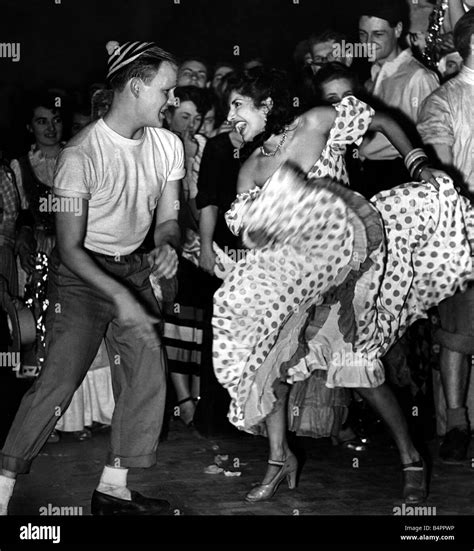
<point>71,193</point>
<point>177,175</point>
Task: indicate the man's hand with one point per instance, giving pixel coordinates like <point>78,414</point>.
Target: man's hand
<point>163,261</point>
<point>131,313</point>
<point>207,259</point>
<point>25,247</point>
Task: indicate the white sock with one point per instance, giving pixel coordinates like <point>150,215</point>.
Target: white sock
<point>6,491</point>
<point>113,482</point>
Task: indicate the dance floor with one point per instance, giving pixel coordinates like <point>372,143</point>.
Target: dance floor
<point>333,481</point>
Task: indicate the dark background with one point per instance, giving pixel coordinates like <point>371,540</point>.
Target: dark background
<point>63,44</point>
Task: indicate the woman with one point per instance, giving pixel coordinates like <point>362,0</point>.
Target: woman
<point>184,316</point>
<point>320,252</point>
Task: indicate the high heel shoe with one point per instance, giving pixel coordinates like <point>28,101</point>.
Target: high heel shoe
<point>288,469</point>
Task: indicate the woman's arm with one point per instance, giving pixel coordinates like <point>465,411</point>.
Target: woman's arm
<point>397,137</point>
<point>392,131</point>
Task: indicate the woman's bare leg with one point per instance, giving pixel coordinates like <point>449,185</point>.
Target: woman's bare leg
<point>385,404</point>
<point>276,424</point>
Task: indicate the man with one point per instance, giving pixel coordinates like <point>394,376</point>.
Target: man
<point>446,124</point>
<point>120,169</point>
<point>193,72</point>
<point>327,47</point>
<point>398,83</point>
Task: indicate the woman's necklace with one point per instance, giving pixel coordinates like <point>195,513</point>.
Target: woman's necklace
<point>278,147</point>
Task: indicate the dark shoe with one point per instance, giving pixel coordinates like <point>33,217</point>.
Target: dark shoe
<point>103,504</point>
<point>81,435</point>
<point>455,445</point>
<point>190,423</point>
<point>54,437</point>
<point>347,439</point>
<point>415,482</point>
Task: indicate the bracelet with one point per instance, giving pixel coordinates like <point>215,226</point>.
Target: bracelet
<point>413,155</point>
<point>414,165</point>
<point>419,169</point>
<point>421,162</point>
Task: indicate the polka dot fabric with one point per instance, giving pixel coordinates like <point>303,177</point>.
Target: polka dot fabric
<point>351,124</point>
<point>273,287</point>
<point>261,310</point>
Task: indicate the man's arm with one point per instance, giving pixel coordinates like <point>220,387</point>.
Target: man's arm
<point>207,226</point>
<point>163,257</point>
<point>70,233</point>
<point>166,228</point>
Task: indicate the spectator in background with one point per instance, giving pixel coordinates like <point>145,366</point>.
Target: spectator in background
<point>184,317</point>
<point>208,126</point>
<point>445,123</point>
<point>322,48</point>
<point>220,70</point>
<point>253,62</point>
<point>303,73</point>
<point>398,83</point>
<point>9,211</point>
<point>193,72</point>
<point>81,117</point>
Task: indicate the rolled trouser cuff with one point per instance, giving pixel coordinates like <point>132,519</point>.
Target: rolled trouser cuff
<point>14,464</point>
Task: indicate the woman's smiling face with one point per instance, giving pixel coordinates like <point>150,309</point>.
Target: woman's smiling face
<point>248,120</point>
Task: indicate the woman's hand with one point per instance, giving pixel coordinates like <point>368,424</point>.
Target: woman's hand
<point>207,259</point>
<point>429,175</point>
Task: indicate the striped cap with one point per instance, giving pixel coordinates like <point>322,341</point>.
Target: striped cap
<point>123,54</point>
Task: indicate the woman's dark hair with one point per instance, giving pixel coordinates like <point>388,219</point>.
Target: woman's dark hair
<point>46,99</point>
<point>199,96</point>
<point>334,71</point>
<point>261,83</point>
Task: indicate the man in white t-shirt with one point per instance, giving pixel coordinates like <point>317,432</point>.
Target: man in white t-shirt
<point>110,180</point>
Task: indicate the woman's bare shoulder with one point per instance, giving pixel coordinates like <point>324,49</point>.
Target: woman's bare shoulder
<point>320,118</point>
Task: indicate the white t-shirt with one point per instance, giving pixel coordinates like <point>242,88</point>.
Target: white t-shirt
<point>123,180</point>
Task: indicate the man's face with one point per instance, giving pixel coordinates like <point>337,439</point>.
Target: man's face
<point>192,73</point>
<point>221,72</point>
<point>46,126</point>
<point>322,53</point>
<point>376,31</point>
<point>79,121</point>
<point>156,96</point>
